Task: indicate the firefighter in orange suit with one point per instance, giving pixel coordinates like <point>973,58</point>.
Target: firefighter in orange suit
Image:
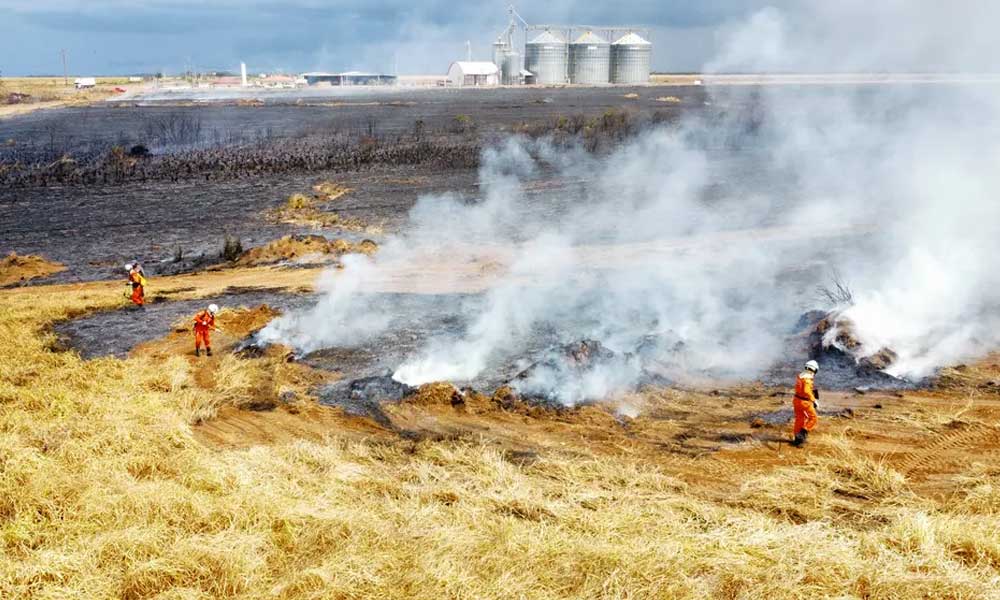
<point>137,284</point>
<point>806,396</point>
<point>204,324</point>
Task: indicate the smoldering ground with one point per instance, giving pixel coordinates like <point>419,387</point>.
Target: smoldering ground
<point>705,241</point>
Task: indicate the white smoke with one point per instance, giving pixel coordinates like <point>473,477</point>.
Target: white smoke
<point>716,231</point>
<point>335,320</point>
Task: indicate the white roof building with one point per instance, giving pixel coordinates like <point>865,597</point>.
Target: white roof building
<point>464,73</point>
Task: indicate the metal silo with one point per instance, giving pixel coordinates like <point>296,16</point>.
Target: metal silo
<point>510,73</point>
<point>545,58</point>
<point>499,49</point>
<point>590,60</point>
<point>630,59</point>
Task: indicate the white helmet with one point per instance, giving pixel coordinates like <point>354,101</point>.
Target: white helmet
<point>128,266</point>
<point>812,366</point>
<point>213,308</point>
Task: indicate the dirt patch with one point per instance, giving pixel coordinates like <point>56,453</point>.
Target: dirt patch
<point>303,249</point>
<point>15,269</point>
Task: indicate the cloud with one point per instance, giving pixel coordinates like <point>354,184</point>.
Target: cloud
<point>307,34</point>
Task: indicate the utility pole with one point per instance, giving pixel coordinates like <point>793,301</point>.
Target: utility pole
<point>468,50</point>
<point>65,70</point>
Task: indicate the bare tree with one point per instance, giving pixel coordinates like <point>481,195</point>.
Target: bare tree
<point>837,292</point>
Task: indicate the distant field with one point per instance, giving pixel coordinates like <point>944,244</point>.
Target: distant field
<point>49,92</point>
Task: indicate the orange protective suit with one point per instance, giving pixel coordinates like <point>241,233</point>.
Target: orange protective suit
<point>804,403</point>
<point>136,279</point>
<point>204,323</point>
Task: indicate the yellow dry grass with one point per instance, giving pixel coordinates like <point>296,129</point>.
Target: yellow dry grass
<point>306,210</point>
<point>17,269</point>
<point>105,493</point>
<point>53,92</point>
<point>328,191</point>
<point>304,249</point>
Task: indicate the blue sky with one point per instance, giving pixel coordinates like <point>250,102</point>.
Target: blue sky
<point>419,36</point>
<point>424,36</point>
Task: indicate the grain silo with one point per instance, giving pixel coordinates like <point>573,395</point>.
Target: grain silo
<point>545,57</point>
<point>590,60</point>
<point>510,71</point>
<point>630,59</point>
<point>499,49</point>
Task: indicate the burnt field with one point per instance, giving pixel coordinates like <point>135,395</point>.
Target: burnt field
<point>93,230</point>
<point>164,126</point>
<point>165,182</point>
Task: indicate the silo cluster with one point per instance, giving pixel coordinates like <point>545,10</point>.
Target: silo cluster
<point>578,54</point>
<point>588,60</point>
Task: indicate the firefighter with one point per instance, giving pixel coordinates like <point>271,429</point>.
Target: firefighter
<point>804,403</point>
<point>137,284</point>
<point>204,324</point>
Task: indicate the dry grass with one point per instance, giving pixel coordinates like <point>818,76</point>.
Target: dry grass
<point>53,92</point>
<point>307,210</point>
<point>16,269</point>
<point>107,494</point>
<point>304,249</point>
<point>328,191</point>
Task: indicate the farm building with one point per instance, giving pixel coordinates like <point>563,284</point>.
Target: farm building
<point>463,73</point>
<point>348,78</point>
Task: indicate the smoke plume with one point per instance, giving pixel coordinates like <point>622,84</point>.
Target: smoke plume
<point>714,233</point>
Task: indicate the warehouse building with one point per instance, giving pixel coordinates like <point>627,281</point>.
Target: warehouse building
<point>348,78</point>
<point>470,73</point>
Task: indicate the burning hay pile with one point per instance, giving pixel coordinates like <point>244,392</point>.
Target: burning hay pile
<point>846,361</point>
<point>839,334</point>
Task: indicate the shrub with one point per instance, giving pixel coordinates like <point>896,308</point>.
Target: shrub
<point>232,248</point>
<point>463,124</point>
